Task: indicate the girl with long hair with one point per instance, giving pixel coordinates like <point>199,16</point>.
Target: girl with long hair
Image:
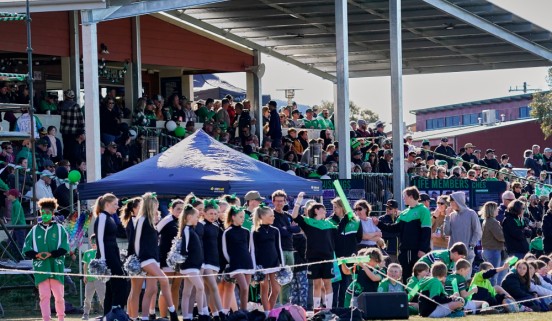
<point>515,230</point>
<point>191,268</point>
<point>239,252</point>
<point>211,263</point>
<point>226,289</point>
<point>168,230</point>
<point>320,247</point>
<point>518,283</point>
<point>128,214</point>
<point>268,253</point>
<point>105,229</point>
<point>147,251</point>
<point>439,241</point>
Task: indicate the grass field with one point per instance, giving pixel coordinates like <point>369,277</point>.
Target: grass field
<point>503,317</point>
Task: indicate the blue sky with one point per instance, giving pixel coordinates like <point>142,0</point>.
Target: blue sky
<point>420,91</point>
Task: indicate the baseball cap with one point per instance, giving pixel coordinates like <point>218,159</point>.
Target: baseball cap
<point>361,122</point>
<point>469,145</point>
<point>46,173</point>
<point>379,123</point>
<point>392,204</point>
<point>69,93</point>
<point>425,142</point>
<point>42,142</point>
<point>112,144</point>
<point>424,197</point>
<point>253,195</point>
<point>357,152</point>
<point>444,139</point>
<point>548,150</point>
<point>489,151</point>
<point>308,111</point>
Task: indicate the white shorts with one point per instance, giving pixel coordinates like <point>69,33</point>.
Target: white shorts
<point>190,272</point>
<point>167,269</point>
<point>210,267</point>
<point>241,271</point>
<point>148,262</point>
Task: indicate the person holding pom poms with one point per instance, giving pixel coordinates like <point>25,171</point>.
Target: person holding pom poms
<point>46,244</point>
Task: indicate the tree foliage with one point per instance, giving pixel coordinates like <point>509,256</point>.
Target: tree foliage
<point>541,108</point>
<point>356,112</point>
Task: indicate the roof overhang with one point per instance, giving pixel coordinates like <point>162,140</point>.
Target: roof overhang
<point>438,35</point>
<point>49,5</point>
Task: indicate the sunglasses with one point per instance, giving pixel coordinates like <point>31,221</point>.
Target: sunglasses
<point>358,209</point>
<point>441,203</point>
<point>472,175</point>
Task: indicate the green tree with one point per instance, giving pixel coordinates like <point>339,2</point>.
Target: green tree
<point>541,108</point>
<point>355,111</point>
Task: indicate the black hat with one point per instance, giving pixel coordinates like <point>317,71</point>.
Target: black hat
<point>444,139</point>
<point>272,103</point>
<point>430,157</point>
<point>424,197</point>
<point>392,204</point>
<point>488,151</point>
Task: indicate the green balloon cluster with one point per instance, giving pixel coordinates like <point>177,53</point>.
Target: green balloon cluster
<point>74,176</point>
<point>180,132</point>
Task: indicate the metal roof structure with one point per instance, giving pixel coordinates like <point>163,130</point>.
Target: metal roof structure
<point>302,32</point>
<point>474,103</point>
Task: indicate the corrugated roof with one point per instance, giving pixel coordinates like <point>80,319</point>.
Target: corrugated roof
<point>474,103</point>
<point>433,40</point>
<point>459,131</point>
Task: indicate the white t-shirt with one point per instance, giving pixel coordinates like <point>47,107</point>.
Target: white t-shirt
<point>368,227</point>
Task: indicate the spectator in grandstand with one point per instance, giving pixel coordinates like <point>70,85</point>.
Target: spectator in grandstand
<point>48,104</point>
<point>110,118</point>
<point>507,198</point>
<point>7,153</point>
<point>547,159</point>
<point>516,231</point>
<point>445,152</point>
<point>274,127</point>
<point>77,149</point>
<point>530,162</point>
<point>310,121</point>
<point>490,160</point>
<point>363,130</point>
<point>468,157</point>
<point>386,163</point>
<point>324,121</point>
<point>504,160</point>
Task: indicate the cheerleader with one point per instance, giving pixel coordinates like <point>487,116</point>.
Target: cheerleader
<point>168,230</point>
<point>268,253</point>
<point>46,244</point>
<point>211,263</point>
<point>320,247</point>
<point>239,251</point>
<point>197,203</point>
<point>231,199</point>
<point>226,289</point>
<point>105,229</point>
<point>147,251</point>
<point>191,268</point>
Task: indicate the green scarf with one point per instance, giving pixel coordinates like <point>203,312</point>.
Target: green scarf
<point>319,224</point>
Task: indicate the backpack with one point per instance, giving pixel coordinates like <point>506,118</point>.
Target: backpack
<point>296,312</point>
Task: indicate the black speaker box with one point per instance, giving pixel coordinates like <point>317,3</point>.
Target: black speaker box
<point>383,306</point>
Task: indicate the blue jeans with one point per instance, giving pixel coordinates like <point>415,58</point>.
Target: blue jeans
<point>495,258</point>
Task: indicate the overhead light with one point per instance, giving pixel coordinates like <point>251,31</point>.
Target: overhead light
<point>449,26</point>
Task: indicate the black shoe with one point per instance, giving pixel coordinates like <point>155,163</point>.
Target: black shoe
<point>152,317</point>
<point>202,317</point>
<point>222,316</point>
<point>173,316</point>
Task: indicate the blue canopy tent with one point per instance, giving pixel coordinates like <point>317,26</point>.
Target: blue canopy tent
<point>202,165</point>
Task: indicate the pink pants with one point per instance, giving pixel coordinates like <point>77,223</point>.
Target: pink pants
<point>45,290</point>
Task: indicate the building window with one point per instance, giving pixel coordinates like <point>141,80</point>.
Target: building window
<point>470,119</point>
<point>524,112</point>
<point>435,123</point>
<point>452,121</point>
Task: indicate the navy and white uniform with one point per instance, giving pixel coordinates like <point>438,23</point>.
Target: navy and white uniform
<point>238,250</point>
<point>145,242</point>
<point>268,248</point>
<point>129,230</point>
<point>168,230</point>
<point>211,233</point>
<point>192,248</point>
<point>222,260</point>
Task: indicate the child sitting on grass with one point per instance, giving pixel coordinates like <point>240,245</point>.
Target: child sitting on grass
<point>536,246</point>
<point>368,275</point>
<point>493,295</point>
<point>456,284</point>
<point>390,284</point>
<point>419,271</point>
<point>457,251</point>
<point>439,304</point>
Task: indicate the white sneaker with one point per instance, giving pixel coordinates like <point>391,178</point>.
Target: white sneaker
<point>84,316</point>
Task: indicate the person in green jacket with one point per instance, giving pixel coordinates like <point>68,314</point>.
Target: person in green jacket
<point>49,104</point>
<point>46,244</point>
<point>17,217</point>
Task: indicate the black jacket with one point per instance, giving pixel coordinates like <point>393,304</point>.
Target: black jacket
<point>547,232</point>
<point>447,151</point>
<point>512,284</point>
<point>283,222</point>
<point>146,246</point>
<point>515,234</point>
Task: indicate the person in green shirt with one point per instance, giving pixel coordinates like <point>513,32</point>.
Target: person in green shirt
<point>324,121</point>
<point>46,244</point>
<point>493,295</point>
<point>419,271</point>
<point>536,246</point>
<point>391,282</point>
<point>49,104</point>
<point>456,284</point>
<point>310,121</point>
<point>17,217</point>
<point>457,251</point>
<point>92,284</point>
<point>434,301</point>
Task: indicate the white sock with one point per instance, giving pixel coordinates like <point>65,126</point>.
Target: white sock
<point>316,302</point>
<point>152,311</point>
<point>205,311</point>
<point>171,308</point>
<point>145,318</point>
<point>190,316</point>
<point>328,300</point>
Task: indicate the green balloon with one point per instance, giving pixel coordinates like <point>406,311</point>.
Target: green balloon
<point>74,176</point>
<point>180,131</point>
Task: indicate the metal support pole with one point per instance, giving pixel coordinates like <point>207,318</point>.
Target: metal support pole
<point>31,101</point>
<point>395,38</point>
<point>342,93</point>
<point>136,66</point>
<point>92,100</point>
<point>74,69</point>
<point>255,96</point>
